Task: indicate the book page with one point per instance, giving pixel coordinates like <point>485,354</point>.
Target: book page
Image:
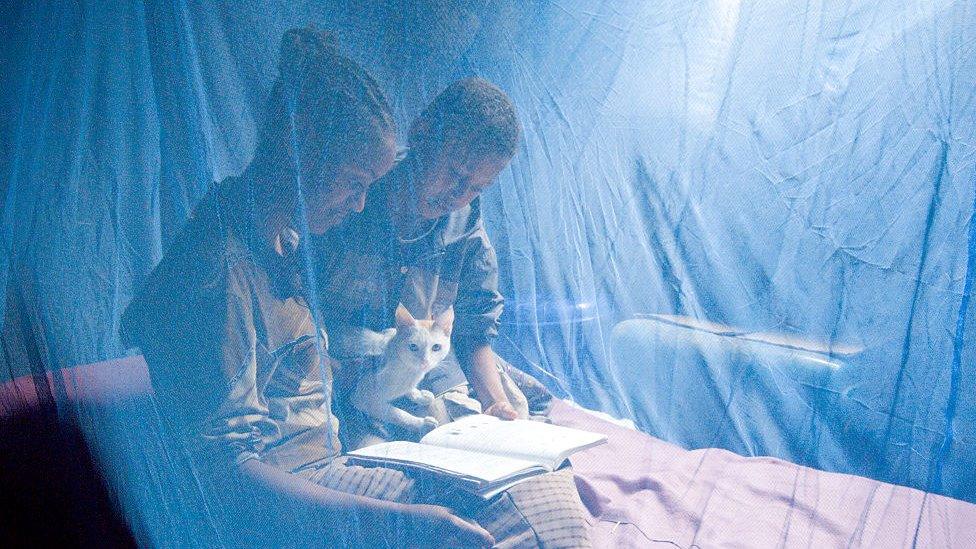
<point>535,441</point>
<point>483,468</point>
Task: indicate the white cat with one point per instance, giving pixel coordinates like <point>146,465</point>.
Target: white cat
<point>412,350</point>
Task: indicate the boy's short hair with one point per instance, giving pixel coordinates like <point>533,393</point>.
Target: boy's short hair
<point>472,110</point>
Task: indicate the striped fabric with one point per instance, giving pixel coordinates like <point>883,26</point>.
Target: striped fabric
<point>544,511</point>
<point>548,504</point>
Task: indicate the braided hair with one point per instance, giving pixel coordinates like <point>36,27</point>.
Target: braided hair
<point>333,103</point>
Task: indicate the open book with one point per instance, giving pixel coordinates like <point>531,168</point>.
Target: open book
<point>483,454</point>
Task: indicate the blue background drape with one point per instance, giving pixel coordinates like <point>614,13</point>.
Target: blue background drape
<point>796,168</point>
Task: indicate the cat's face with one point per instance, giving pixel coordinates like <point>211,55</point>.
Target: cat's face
<point>422,343</point>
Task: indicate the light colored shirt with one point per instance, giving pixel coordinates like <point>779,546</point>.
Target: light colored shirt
<point>234,357</point>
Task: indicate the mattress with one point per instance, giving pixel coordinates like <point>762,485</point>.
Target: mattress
<point>643,492</point>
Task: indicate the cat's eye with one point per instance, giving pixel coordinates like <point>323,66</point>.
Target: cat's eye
<point>436,347</point>
<point>413,347</point>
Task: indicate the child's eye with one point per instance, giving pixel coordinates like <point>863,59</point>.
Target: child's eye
<point>413,347</point>
<point>436,347</point>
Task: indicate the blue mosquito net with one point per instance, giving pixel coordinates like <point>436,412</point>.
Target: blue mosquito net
<point>740,224</point>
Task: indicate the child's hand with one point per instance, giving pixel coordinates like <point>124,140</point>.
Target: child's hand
<point>502,410</point>
<point>436,525</point>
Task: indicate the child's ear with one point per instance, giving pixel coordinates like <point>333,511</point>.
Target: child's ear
<point>403,317</point>
<point>445,320</point>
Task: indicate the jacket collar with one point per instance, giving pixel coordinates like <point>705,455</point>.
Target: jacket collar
<point>278,252</point>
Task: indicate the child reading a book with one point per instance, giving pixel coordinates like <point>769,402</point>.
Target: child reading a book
<point>237,362</point>
<point>421,242</point>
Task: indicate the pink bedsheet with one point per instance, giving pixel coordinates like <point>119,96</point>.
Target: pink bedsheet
<point>643,492</point>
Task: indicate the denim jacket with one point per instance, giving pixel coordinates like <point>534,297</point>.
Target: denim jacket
<point>364,270</point>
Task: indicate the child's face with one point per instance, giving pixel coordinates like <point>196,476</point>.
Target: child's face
<point>338,192</point>
<point>453,179</point>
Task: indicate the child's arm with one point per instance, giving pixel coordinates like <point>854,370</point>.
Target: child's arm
<point>478,364</point>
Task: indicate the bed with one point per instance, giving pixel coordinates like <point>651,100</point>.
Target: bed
<point>639,491</point>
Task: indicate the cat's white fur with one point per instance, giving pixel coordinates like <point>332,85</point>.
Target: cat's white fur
<point>411,350</point>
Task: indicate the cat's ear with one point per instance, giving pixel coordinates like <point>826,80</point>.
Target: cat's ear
<point>403,317</point>
<point>445,320</point>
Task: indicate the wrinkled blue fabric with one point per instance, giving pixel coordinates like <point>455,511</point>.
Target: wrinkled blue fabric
<point>802,169</point>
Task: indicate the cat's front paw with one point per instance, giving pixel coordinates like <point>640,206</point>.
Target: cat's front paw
<point>429,424</point>
<point>421,397</point>
<point>424,397</point>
